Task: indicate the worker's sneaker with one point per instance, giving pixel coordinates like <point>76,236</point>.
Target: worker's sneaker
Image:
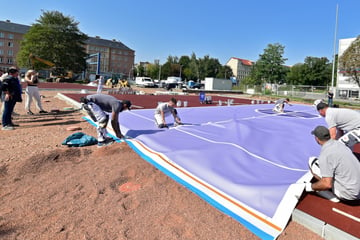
<point>30,113</point>
<point>43,111</point>
<point>106,142</point>
<point>328,195</point>
<point>163,126</point>
<point>7,127</point>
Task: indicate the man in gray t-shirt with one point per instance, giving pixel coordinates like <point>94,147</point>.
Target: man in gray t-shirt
<point>336,168</point>
<point>343,124</point>
<point>165,109</point>
<point>280,104</point>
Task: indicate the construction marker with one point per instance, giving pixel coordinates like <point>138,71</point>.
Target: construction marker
<point>346,214</point>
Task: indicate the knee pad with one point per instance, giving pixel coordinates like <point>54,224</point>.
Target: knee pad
<point>89,112</point>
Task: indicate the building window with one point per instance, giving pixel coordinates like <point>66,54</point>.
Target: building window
<point>10,61</point>
<point>10,52</point>
<point>1,60</point>
<point>10,44</point>
<point>1,52</point>
<point>11,36</point>
<point>2,35</point>
<point>1,44</point>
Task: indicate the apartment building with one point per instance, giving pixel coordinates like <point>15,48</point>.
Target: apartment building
<point>115,57</point>
<point>241,68</point>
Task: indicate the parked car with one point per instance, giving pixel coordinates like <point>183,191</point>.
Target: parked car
<point>144,82</point>
<point>194,86</point>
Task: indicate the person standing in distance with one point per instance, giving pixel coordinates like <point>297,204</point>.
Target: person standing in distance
<point>100,82</point>
<point>330,96</point>
<point>32,91</point>
<point>97,106</point>
<point>12,94</point>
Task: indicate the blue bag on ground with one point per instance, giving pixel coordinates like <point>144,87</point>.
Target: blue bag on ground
<point>79,139</point>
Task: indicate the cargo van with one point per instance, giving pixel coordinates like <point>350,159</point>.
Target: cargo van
<point>173,80</point>
<point>144,82</point>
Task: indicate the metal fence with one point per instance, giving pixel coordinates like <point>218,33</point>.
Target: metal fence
<point>301,91</point>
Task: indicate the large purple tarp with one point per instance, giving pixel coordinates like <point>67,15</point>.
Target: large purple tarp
<point>246,156</point>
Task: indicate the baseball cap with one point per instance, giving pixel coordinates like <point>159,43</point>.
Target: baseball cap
<point>13,70</point>
<point>128,103</point>
<point>321,105</point>
<point>321,132</point>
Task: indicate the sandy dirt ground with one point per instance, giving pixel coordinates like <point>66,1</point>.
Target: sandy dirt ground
<point>51,191</point>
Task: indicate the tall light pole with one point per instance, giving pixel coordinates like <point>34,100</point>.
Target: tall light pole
<point>180,71</point>
<point>333,67</point>
<point>130,72</point>
<point>159,72</point>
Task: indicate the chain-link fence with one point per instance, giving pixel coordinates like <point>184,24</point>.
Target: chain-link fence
<point>301,91</point>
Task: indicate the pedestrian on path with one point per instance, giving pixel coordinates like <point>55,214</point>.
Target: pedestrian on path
<point>32,92</point>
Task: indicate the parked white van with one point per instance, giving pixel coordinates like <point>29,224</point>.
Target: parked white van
<point>173,80</point>
<point>144,82</point>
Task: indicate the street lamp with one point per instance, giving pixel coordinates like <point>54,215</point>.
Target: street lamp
<point>132,67</point>
<point>159,72</point>
<point>180,70</point>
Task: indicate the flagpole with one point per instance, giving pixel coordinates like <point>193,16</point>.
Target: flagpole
<point>333,67</point>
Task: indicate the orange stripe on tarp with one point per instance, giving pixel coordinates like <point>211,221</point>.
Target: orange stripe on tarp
<point>211,189</point>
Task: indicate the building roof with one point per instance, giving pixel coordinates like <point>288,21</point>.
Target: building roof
<point>19,28</point>
<point>244,61</point>
<point>13,27</point>
<point>107,43</point>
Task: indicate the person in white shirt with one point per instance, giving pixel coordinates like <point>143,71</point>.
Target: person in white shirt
<point>32,91</point>
<point>165,109</point>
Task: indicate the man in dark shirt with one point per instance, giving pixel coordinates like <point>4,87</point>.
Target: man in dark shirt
<point>97,106</point>
<point>12,94</point>
<point>330,96</point>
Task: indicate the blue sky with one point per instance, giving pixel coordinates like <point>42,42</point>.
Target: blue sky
<point>221,29</point>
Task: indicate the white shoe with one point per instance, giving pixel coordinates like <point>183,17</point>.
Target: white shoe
<point>328,195</point>
<point>7,128</point>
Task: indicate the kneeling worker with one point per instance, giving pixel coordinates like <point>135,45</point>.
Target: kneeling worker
<point>165,109</point>
<point>96,106</point>
<point>280,104</point>
<point>336,169</point>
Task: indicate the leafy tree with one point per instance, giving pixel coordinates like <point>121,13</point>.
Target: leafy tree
<point>194,68</point>
<point>184,61</point>
<point>317,71</point>
<point>224,72</point>
<point>349,62</point>
<point>314,71</point>
<point>295,75</point>
<point>152,70</point>
<point>270,66</point>
<point>55,38</point>
<point>140,70</point>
